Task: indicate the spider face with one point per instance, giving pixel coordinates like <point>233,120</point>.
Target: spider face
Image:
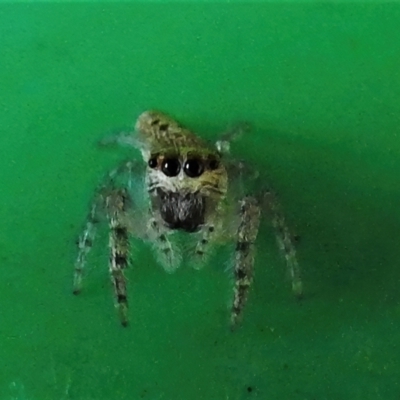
<point>189,187</point>
<point>184,186</point>
<point>185,177</point>
<point>190,171</point>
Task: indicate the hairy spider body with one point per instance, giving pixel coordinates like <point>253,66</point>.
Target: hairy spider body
<point>183,184</point>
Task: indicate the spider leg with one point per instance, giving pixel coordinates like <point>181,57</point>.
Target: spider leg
<point>232,134</point>
<point>117,204</point>
<point>114,203</point>
<point>244,254</point>
<point>167,256</point>
<point>285,243</point>
<point>201,253</point>
<point>85,242</point>
<point>123,138</point>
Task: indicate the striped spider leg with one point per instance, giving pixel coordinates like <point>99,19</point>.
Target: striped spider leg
<point>112,203</point>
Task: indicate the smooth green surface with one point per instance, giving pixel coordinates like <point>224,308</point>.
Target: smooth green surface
<point>321,85</point>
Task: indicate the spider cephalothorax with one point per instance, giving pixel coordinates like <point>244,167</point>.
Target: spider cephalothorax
<point>188,186</point>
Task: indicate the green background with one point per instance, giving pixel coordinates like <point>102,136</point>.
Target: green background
<point>320,83</point>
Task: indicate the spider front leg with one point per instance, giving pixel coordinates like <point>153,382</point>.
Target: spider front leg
<point>244,254</point>
<point>201,253</point>
<point>167,256</point>
<point>117,204</point>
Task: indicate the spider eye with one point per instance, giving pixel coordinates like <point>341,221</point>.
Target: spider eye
<point>152,162</point>
<point>171,167</point>
<point>213,164</point>
<point>193,168</point>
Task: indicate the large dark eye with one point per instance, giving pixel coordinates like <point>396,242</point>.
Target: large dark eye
<point>171,167</point>
<point>213,164</point>
<point>193,168</point>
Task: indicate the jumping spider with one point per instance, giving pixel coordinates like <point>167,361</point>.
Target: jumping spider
<point>185,188</point>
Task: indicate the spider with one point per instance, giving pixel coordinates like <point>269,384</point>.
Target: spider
<point>185,198</point>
